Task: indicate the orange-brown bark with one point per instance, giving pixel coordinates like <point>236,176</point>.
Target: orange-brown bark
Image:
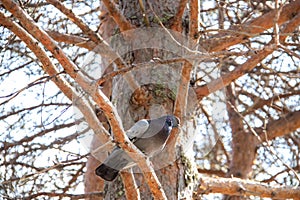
<point>246,188</point>
<point>222,41</point>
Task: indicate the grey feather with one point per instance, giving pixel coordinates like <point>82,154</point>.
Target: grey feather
<point>137,129</point>
<point>149,136</point>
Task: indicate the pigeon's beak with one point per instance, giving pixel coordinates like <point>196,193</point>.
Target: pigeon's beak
<point>176,122</point>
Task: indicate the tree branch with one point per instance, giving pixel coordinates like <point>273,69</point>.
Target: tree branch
<point>229,77</point>
<point>86,30</point>
<point>61,195</point>
<point>183,89</point>
<point>51,69</point>
<point>194,19</point>
<point>120,136</point>
<point>177,21</point>
<point>259,102</point>
<point>256,26</point>
<point>281,127</point>
<point>122,22</point>
<point>240,187</point>
<point>251,63</point>
<point>102,47</point>
<point>72,39</point>
<point>131,189</point>
<point>97,95</point>
<point>32,44</point>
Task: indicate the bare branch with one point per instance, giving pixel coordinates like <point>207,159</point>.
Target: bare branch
<point>120,136</point>
<point>130,186</point>
<point>240,187</point>
<point>281,127</point>
<point>43,37</point>
<point>247,66</point>
<point>177,21</point>
<point>102,47</point>
<point>72,39</point>
<point>258,25</point>
<point>37,50</point>
<point>86,30</point>
<point>259,103</point>
<point>239,71</point>
<point>49,67</point>
<point>122,22</point>
<point>61,195</point>
<point>39,134</point>
<point>181,99</point>
<point>194,19</point>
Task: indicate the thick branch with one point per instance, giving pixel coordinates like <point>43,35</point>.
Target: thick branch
<point>259,102</point>
<point>194,19</point>
<point>131,189</point>
<point>180,103</point>
<point>122,22</point>
<point>177,21</point>
<point>281,127</point>
<point>239,187</point>
<point>182,93</point>
<point>117,128</point>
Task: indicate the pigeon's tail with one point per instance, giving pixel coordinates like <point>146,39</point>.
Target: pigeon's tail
<point>106,172</point>
<point>115,162</point>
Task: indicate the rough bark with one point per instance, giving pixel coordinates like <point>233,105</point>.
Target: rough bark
<point>171,176</point>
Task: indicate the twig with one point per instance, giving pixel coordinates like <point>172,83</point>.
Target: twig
<point>276,26</point>
<point>113,74</point>
<point>144,13</point>
<point>37,50</point>
<point>292,53</point>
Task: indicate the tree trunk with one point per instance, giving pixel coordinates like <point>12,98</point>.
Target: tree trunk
<point>151,97</point>
<point>243,142</point>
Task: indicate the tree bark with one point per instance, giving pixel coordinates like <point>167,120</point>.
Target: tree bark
<point>171,176</point>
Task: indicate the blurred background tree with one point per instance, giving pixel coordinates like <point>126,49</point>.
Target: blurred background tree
<point>254,44</point>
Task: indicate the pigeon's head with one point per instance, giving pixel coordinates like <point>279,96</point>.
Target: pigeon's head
<point>172,121</point>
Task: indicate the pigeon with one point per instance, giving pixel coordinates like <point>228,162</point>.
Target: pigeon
<point>149,136</point>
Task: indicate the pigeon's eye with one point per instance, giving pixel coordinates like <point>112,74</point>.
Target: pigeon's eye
<point>169,122</point>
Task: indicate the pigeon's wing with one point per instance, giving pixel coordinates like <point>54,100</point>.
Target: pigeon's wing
<point>138,129</point>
